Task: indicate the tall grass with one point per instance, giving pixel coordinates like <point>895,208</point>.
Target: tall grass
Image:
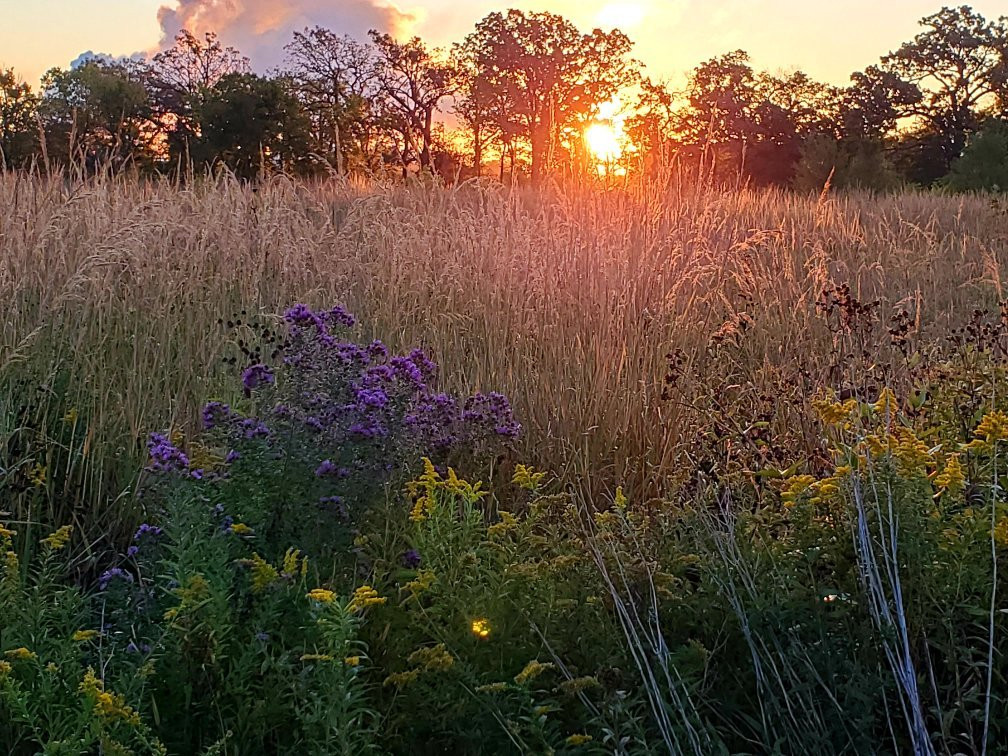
<point>567,299</point>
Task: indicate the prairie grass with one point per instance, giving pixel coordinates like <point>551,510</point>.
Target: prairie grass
<point>566,299</point>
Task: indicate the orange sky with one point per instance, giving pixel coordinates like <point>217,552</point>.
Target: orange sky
<point>826,39</point>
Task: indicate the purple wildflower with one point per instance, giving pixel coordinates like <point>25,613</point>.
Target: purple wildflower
<point>255,376</point>
<point>164,455</point>
<point>112,574</point>
<point>216,413</point>
<point>411,559</point>
<point>326,467</point>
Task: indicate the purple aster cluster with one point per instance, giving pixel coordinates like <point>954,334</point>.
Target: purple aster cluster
<point>215,414</point>
<point>347,416</point>
<point>111,575</point>
<point>164,455</point>
<point>145,534</point>
<point>256,376</point>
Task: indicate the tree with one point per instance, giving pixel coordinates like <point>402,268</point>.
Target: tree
<point>100,113</point>
<point>18,128</point>
<point>954,69</point>
<point>335,78</point>
<point>984,163</point>
<point>753,122</point>
<point>180,79</point>
<point>412,80</point>
<point>652,127</point>
<point>250,123</point>
<point>550,75</point>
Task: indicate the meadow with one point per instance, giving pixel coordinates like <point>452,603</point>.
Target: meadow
<point>768,424</point>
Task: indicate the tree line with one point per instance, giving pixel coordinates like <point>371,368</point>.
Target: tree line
<point>514,99</point>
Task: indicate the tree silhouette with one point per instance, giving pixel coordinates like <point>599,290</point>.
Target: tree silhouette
<point>550,75</point>
<point>953,70</point>
<point>413,80</point>
<point>18,129</point>
<point>335,78</point>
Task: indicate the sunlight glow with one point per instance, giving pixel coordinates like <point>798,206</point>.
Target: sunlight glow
<point>603,141</point>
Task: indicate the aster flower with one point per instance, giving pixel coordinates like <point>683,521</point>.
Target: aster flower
<point>255,376</point>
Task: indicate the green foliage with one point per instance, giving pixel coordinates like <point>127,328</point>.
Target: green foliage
<point>249,123</point>
<point>845,164</point>
<point>984,163</point>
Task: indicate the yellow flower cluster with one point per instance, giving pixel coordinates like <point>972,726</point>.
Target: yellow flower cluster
<point>579,684</point>
<point>910,452</point>
<point>430,482</point>
<point>59,539</point>
<point>532,670</point>
<point>82,636</point>
<point>1001,532</point>
<point>191,594</point>
<point>886,403</point>
<point>402,679</point>
<point>21,654</point>
<point>432,658</point>
<point>527,478</point>
<point>363,598</point>
<point>109,707</point>
<point>480,628</point>
<point>351,661</point>
<point>795,487</point>
<point>992,428</point>
<point>951,480</point>
<point>70,417</point>
<point>322,595</point>
<point>508,522</point>
<point>294,564</point>
<point>5,668</point>
<point>37,476</point>
<point>316,658</point>
<point>578,739</point>
<point>263,573</point>
<point>834,413</point>
<point>241,529</point>
<point>422,582</point>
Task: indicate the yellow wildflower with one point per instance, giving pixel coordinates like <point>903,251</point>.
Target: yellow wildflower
<point>1001,532</point>
<point>108,706</point>
<point>422,582</point>
<point>527,477</point>
<point>421,509</point>
<point>992,428</point>
<point>432,658</point>
<point>263,573</point>
<point>84,635</point>
<point>322,595</point>
<point>37,476</point>
<point>241,529</point>
<point>6,534</point>
<point>578,684</point>
<point>578,740</point>
<point>532,670</point>
<point>620,500</point>
<point>402,679</point>
<point>70,417</point>
<point>365,597</point>
<point>5,668</point>
<point>316,657</point>
<point>352,661</point>
<point>794,487</point>
<point>834,413</point>
<point>59,539</point>
<point>294,564</point>
<point>910,452</point>
<point>480,628</point>
<point>951,480</point>
<point>886,403</point>
<point>508,521</point>
<point>21,654</point>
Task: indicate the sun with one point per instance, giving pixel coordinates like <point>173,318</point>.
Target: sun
<point>604,141</point>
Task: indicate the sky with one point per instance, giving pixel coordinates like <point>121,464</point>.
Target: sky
<point>827,40</point>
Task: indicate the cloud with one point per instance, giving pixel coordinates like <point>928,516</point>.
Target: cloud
<point>90,56</point>
<point>261,28</point>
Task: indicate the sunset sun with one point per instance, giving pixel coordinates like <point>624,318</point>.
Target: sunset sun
<point>604,141</point>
